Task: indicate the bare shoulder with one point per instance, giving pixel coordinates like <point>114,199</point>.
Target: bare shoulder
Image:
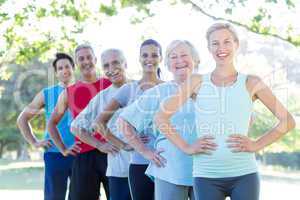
<point>253,80</point>
<point>254,85</point>
<point>38,101</point>
<point>196,78</point>
<point>63,99</point>
<point>191,85</point>
<point>64,95</point>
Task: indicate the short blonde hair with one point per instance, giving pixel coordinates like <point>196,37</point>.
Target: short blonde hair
<point>190,46</point>
<point>219,26</point>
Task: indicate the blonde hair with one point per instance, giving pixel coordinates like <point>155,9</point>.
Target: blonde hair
<point>191,48</point>
<point>219,26</point>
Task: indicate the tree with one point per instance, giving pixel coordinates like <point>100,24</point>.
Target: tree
<point>19,91</point>
<point>38,28</point>
<point>32,31</point>
<point>262,20</point>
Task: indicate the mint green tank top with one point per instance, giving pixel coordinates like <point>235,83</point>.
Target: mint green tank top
<point>222,111</point>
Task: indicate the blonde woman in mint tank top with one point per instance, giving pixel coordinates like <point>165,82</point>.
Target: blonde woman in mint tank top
<point>223,157</point>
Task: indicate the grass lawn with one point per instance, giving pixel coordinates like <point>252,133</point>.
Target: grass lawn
<point>16,179</point>
<point>21,175</point>
<point>25,180</point>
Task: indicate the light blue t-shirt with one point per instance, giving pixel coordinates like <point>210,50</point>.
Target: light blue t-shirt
<point>126,95</point>
<point>51,95</point>
<point>140,114</point>
<point>222,111</point>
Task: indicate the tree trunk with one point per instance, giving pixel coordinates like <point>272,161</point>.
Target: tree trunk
<point>22,152</point>
<point>1,149</point>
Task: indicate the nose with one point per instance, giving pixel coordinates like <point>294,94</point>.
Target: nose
<point>85,61</point>
<point>221,47</point>
<point>66,71</point>
<point>150,59</point>
<point>179,59</point>
<point>110,68</point>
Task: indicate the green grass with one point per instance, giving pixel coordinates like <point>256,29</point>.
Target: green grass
<point>20,178</point>
<point>5,162</point>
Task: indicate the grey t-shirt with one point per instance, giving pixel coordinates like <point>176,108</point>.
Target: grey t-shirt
<point>125,96</point>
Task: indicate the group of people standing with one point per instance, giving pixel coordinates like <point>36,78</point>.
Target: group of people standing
<point>149,139</point>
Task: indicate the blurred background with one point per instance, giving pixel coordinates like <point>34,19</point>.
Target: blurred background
<point>33,31</point>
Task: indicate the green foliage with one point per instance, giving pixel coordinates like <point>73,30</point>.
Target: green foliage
<point>265,120</point>
<point>2,2</point>
<point>35,49</point>
<point>24,41</point>
<point>108,10</point>
<point>290,3</point>
<point>21,47</point>
<point>264,21</point>
<point>19,91</point>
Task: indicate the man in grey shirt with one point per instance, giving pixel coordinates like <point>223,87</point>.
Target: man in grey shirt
<point>114,65</point>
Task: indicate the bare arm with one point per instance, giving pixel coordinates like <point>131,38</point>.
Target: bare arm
<point>136,142</point>
<point>30,111</point>
<point>81,125</point>
<point>100,124</point>
<point>170,107</point>
<point>59,111</point>
<point>262,92</point>
<point>85,136</point>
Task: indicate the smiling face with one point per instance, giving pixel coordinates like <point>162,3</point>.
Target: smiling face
<point>223,46</point>
<point>64,71</point>
<point>114,67</point>
<point>86,61</point>
<point>180,62</point>
<point>150,58</point>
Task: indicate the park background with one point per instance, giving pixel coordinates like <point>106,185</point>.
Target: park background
<point>33,31</point>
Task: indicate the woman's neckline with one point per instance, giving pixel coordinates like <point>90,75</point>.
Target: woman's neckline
<point>224,86</point>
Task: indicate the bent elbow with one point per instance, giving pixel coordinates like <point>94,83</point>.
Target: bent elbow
<point>291,123</point>
<point>19,120</point>
<point>124,127</point>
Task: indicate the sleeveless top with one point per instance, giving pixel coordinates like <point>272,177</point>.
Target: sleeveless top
<point>51,95</point>
<point>222,111</point>
<point>79,95</point>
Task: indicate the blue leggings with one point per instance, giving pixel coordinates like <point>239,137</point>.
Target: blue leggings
<point>141,186</point>
<point>168,191</point>
<point>119,188</point>
<point>244,187</point>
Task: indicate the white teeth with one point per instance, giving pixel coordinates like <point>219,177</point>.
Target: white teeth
<point>222,54</point>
